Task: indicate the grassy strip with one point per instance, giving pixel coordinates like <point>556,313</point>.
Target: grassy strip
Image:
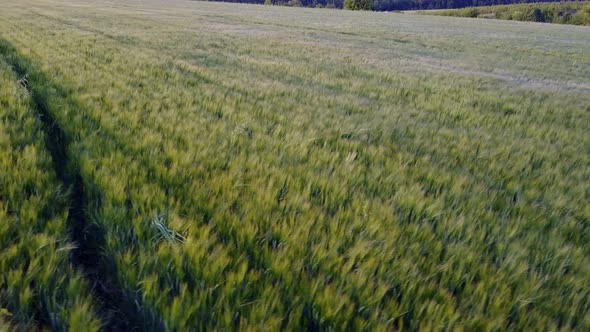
<point>38,286</point>
<point>576,13</point>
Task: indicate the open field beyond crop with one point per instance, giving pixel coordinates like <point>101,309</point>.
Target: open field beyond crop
<point>179,165</point>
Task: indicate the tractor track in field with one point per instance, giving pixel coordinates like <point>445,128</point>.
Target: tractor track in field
<point>120,310</point>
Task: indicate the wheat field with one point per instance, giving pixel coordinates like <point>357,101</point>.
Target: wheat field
<point>183,165</point>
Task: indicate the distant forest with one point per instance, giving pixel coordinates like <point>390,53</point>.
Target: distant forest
<point>391,5</point>
<point>576,13</point>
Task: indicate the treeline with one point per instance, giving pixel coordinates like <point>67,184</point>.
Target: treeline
<point>576,13</point>
<point>389,5</point>
<point>294,3</point>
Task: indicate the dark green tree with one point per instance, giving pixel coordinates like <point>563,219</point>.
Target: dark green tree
<point>358,4</point>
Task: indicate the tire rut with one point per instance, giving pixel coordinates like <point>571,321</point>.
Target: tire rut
<point>120,309</point>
